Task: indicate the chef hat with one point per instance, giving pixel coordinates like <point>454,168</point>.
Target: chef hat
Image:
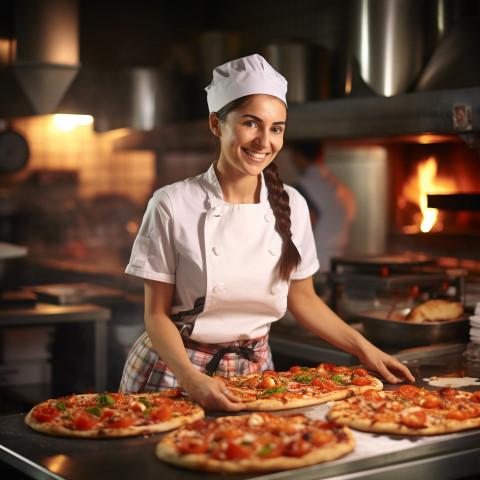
<point>244,76</point>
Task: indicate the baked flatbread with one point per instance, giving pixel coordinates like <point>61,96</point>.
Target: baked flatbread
<point>106,415</point>
<point>300,386</point>
<point>255,442</point>
<point>409,411</point>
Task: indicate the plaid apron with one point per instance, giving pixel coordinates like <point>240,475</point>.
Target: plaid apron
<point>145,371</point>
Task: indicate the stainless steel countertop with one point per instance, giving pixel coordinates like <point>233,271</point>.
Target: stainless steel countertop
<point>440,457</point>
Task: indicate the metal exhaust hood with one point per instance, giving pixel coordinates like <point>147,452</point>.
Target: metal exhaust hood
<point>443,98</point>
<point>44,57</point>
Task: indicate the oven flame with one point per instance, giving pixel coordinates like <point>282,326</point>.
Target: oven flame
<point>421,183</point>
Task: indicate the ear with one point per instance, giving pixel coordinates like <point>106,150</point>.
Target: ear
<point>214,124</point>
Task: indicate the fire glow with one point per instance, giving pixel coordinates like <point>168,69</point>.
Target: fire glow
<point>422,182</point>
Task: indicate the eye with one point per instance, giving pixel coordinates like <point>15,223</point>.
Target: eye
<point>277,129</point>
<point>250,123</point>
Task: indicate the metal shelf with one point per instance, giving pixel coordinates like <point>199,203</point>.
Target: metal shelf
<point>373,118</point>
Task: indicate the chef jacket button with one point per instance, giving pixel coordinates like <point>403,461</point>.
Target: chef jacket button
<point>217,212</point>
<point>275,290</point>
<point>274,251</point>
<point>269,217</point>
<point>218,287</point>
<point>217,251</point>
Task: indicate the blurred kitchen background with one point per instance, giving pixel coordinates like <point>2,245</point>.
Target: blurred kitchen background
<point>391,88</point>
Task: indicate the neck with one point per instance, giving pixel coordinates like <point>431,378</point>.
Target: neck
<point>241,189</point>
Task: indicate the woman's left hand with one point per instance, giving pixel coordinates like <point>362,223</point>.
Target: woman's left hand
<point>391,369</point>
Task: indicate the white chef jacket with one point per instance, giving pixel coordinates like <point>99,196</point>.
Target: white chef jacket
<point>220,256</point>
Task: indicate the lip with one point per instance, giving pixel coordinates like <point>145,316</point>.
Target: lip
<point>249,152</point>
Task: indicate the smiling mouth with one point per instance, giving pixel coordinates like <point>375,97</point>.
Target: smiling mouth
<point>258,156</point>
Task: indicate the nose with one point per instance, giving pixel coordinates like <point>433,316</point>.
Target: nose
<point>263,138</point>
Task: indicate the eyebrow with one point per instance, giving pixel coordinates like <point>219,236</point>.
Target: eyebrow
<point>258,119</point>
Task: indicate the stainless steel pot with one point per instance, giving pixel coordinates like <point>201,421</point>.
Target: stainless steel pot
<point>400,334</point>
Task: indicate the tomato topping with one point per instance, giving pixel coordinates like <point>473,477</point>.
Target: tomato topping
<point>270,381</point>
<point>161,401</point>
<point>269,446</point>
<point>45,413</point>
<point>298,448</point>
<point>475,397</point>
<point>296,369</point>
<point>193,444</point>
<point>124,421</point>
<point>327,367</point>
<point>457,414</point>
<point>320,437</point>
<point>251,382</point>
<point>235,450</point>
<point>342,370</point>
<point>447,392</point>
<point>82,420</point>
<point>414,418</point>
<point>107,413</point>
<point>408,391</point>
<point>173,392</point>
<point>373,395</point>
<point>330,386</point>
<point>228,431</point>
<point>361,381</point>
<point>161,413</point>
<point>180,407</point>
<point>360,372</point>
<point>431,401</point>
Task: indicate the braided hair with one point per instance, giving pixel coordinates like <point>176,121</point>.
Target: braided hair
<point>279,201</point>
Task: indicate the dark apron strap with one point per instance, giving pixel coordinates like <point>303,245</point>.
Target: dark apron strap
<point>246,352</point>
<point>218,352</point>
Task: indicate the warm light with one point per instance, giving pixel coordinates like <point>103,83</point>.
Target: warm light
<point>67,123</point>
<point>423,183</point>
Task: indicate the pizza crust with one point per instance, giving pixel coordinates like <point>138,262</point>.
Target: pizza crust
<point>166,451</point>
<point>59,428</point>
<point>272,404</point>
<point>252,391</point>
<point>357,413</point>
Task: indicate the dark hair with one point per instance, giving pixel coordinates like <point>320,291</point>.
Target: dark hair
<point>279,201</point>
<point>309,149</point>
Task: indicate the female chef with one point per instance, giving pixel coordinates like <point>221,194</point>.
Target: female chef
<point>225,253</point>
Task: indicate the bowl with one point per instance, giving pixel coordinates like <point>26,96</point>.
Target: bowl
<point>383,331</point>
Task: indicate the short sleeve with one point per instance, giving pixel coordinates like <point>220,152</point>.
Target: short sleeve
<point>153,253</point>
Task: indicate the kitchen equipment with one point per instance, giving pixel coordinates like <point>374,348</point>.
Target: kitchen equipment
<point>14,151</point>
<point>367,282</point>
<point>78,293</point>
<point>303,66</point>
<point>387,43</point>
<point>397,333</point>
<point>9,257</point>
<point>472,352</point>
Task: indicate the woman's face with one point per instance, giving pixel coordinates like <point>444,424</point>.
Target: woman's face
<point>252,135</point>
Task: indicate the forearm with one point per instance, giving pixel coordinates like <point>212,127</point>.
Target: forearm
<point>317,317</point>
<point>167,341</point>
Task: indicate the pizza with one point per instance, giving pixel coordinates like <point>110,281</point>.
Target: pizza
<point>300,386</point>
<point>255,442</point>
<point>409,410</point>
<point>106,415</point>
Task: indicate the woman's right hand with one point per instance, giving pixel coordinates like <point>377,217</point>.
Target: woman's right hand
<point>210,393</point>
